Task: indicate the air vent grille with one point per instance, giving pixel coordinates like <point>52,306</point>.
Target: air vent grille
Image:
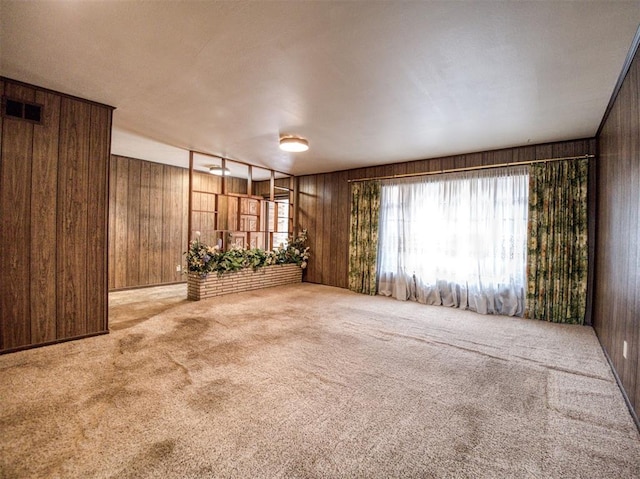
<point>21,110</point>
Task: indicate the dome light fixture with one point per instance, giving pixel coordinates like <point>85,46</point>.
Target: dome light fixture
<point>219,171</point>
<point>294,144</point>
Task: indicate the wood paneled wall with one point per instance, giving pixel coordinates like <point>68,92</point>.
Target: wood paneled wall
<point>324,200</point>
<point>617,275</point>
<point>238,186</point>
<point>53,205</point>
<point>147,222</point>
<point>148,219</point>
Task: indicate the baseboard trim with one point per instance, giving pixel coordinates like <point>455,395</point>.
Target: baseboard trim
<point>632,411</point>
<point>143,286</point>
<point>50,343</point>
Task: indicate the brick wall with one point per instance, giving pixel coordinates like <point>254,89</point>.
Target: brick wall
<point>244,280</point>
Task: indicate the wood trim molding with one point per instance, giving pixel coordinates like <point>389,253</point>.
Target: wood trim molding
<point>50,343</point>
<point>633,49</point>
<point>625,396</point>
<point>55,92</point>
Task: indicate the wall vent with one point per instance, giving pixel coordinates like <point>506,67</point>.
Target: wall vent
<point>21,110</point>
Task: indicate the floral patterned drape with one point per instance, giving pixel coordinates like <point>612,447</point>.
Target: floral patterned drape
<point>363,237</point>
<point>557,244</point>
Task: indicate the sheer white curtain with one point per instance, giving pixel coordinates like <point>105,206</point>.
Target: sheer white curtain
<point>456,239</point>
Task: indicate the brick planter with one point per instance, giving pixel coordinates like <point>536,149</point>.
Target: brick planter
<point>244,280</point>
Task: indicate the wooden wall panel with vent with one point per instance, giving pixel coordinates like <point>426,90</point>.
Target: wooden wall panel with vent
<point>53,202</point>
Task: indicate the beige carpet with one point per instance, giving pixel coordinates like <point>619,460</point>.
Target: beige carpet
<point>310,381</point>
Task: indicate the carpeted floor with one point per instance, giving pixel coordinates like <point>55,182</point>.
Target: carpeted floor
<point>310,381</point>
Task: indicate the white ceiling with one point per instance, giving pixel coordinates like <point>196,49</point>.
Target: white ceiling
<point>365,82</point>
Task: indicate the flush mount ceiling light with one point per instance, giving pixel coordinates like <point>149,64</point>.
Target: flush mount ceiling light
<point>293,143</point>
<point>218,171</point>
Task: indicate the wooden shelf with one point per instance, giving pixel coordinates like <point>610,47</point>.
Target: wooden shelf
<point>243,195</point>
<point>250,221</point>
<point>205,192</point>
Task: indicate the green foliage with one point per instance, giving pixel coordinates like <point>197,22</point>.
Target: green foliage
<point>203,259</point>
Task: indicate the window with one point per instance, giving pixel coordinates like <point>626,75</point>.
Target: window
<point>457,239</point>
<point>281,235</point>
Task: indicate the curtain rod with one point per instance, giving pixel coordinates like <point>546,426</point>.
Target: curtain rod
<point>471,168</point>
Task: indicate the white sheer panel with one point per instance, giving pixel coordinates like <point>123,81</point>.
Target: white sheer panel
<point>457,239</point>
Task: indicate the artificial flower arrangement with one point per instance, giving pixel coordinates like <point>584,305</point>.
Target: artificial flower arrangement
<point>203,259</point>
